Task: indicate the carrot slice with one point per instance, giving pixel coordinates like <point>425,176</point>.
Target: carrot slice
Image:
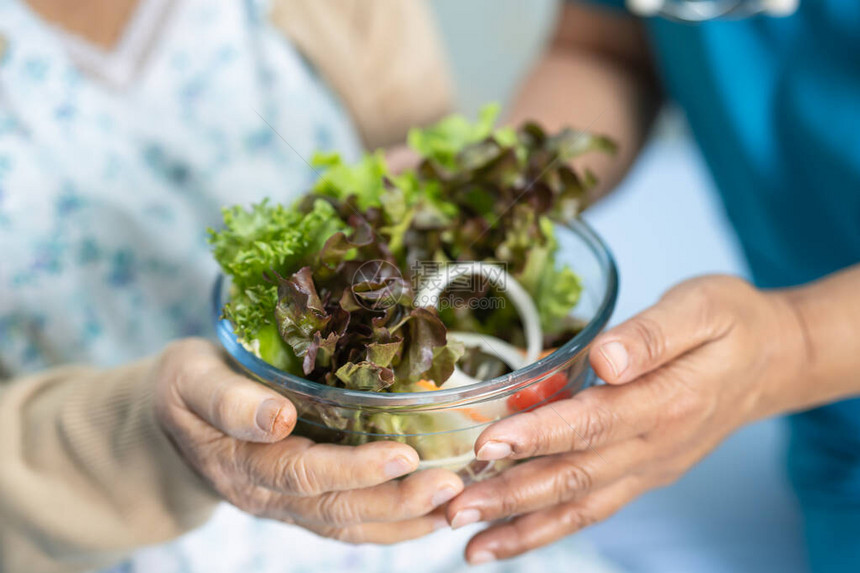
<point>428,385</point>
<point>475,415</point>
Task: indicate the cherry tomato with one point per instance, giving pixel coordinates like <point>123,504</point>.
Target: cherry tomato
<point>539,392</point>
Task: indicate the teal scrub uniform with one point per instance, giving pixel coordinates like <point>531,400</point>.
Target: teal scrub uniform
<point>774,104</point>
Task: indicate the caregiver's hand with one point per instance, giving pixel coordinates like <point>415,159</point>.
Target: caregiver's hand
<point>711,355</point>
<point>235,433</point>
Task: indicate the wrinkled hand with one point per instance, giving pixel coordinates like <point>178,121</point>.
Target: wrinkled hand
<point>712,354</point>
<point>235,433</point>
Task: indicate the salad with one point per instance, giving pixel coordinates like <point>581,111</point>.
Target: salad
<point>438,276</point>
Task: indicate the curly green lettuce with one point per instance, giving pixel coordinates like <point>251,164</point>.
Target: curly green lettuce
<point>262,239</point>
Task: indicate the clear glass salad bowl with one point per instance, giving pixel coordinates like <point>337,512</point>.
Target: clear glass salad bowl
<point>442,425</point>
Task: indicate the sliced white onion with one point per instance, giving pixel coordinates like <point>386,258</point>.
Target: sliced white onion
<point>507,353</point>
<point>504,351</point>
<point>458,378</point>
<point>435,285</point>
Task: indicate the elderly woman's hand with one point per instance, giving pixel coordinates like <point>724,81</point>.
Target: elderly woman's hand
<point>235,433</point>
<point>713,354</point>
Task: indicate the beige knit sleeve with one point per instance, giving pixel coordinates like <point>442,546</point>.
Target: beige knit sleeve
<point>86,473</point>
<point>384,59</point>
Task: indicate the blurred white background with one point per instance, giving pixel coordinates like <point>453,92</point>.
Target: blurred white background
<point>734,511</point>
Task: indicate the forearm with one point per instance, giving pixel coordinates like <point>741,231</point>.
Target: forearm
<point>828,318</point>
<point>596,75</point>
<point>86,474</point>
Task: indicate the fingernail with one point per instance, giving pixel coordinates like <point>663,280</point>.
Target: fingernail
<point>481,557</point>
<point>616,355</point>
<point>494,451</point>
<point>267,414</point>
<point>465,517</point>
<point>444,495</point>
<point>397,467</point>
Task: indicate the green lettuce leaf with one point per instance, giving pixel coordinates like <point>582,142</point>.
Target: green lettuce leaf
<point>270,237</point>
<point>300,312</point>
<point>424,333</point>
<point>365,376</point>
<point>558,293</point>
<point>443,141</point>
<point>260,240</point>
<point>365,180</point>
<point>268,345</point>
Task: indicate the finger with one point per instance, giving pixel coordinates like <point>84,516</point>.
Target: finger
<point>543,527</point>
<point>685,318</point>
<point>400,158</point>
<point>384,533</point>
<point>415,496</point>
<point>297,466</point>
<point>230,402</point>
<point>546,482</point>
<point>588,421</point>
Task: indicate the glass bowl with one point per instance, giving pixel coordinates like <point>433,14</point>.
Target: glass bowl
<point>443,425</point>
